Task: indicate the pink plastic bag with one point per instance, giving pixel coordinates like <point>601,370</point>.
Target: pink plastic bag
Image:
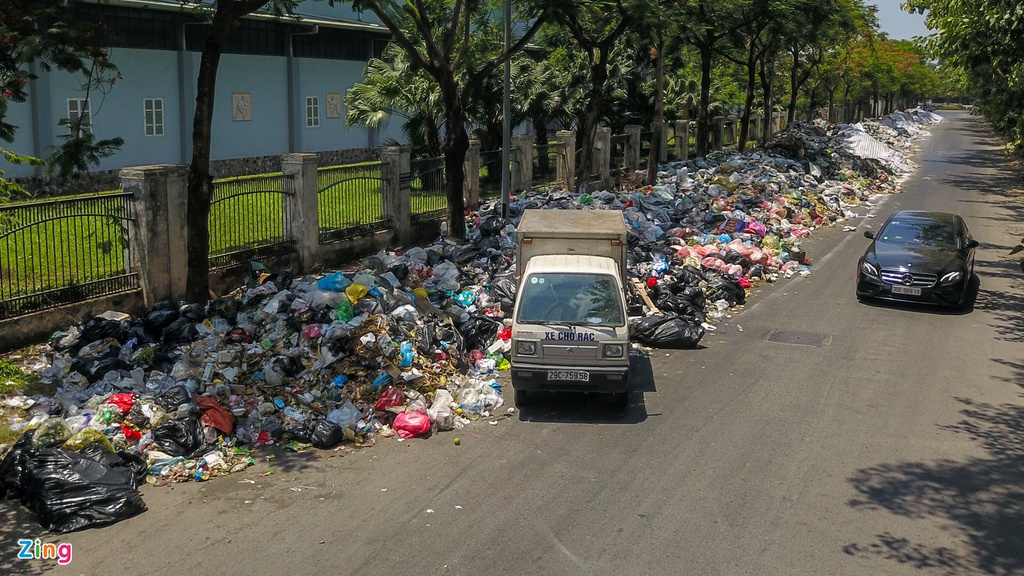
<point>411,424</point>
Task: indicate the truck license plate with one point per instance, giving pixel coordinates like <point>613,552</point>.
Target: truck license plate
<point>906,290</point>
<point>571,375</point>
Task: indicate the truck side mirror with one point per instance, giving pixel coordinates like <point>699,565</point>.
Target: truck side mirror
<point>869,234</point>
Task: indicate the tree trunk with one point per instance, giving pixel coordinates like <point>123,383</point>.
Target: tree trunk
<point>456,144</point>
<point>598,77</point>
<point>705,100</point>
<point>794,86</point>
<point>749,102</point>
<point>200,182</point>
<point>658,125</point>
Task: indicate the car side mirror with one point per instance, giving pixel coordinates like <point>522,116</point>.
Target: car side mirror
<point>972,243</point>
<point>869,234</point>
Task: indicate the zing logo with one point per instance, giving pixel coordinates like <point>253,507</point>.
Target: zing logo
<point>37,550</point>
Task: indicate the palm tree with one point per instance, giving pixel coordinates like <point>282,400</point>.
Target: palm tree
<point>392,88</point>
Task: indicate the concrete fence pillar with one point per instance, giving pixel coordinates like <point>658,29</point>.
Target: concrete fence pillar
<point>717,132</point>
<point>397,168</point>
<point>158,238</point>
<point>566,166</point>
<point>754,130</point>
<point>603,155</point>
<point>301,220</point>
<point>662,136</point>
<point>632,158</point>
<point>683,139</point>
<point>471,188</point>
<point>522,162</point>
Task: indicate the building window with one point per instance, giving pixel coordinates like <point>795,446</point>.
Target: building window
<point>79,114</point>
<point>312,111</point>
<point>154,108</point>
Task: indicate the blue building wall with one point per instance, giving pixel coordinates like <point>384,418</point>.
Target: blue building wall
<point>154,74</point>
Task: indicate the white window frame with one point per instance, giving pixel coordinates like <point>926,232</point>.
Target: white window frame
<point>153,117</point>
<point>312,111</point>
<point>76,108</point>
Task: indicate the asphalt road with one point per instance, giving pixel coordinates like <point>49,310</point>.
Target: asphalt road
<point>809,435</point>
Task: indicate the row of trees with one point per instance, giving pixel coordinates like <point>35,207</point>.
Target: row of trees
<point>980,47</point>
<point>577,64</point>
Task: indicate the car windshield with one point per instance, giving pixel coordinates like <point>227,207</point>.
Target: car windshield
<point>586,299</point>
<point>919,232</point>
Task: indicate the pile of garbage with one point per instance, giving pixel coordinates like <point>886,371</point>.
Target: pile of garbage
<point>408,343</point>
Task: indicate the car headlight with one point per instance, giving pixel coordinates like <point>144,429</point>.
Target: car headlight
<point>614,350</point>
<point>526,348</point>
<point>870,269</point>
<point>952,277</point>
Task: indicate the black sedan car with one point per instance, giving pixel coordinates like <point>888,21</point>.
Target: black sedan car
<point>917,256</point>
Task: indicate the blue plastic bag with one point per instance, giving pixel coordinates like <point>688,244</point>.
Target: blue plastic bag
<point>336,282</point>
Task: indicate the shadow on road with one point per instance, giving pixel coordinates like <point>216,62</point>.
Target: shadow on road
<point>981,498</point>
<point>594,408</point>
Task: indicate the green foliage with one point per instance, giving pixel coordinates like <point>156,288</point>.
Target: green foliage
<point>983,39</point>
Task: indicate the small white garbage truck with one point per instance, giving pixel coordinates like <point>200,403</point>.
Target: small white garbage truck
<point>570,331</point>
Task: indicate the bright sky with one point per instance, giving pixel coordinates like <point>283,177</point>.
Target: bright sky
<point>898,24</point>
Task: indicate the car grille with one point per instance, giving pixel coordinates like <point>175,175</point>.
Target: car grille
<point>896,277</point>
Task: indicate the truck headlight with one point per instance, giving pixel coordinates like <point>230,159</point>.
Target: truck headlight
<point>526,348</point>
<point>614,350</point>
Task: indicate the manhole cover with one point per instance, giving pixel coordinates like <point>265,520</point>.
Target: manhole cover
<point>799,338</point>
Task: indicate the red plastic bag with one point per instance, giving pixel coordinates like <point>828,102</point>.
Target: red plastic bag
<point>130,433</point>
<point>412,424</point>
<point>123,401</point>
<point>215,415</point>
<point>391,397</point>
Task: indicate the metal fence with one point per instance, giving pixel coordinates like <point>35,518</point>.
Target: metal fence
<point>545,165</point>
<point>63,251</point>
<point>645,148</point>
<point>428,189</point>
<point>490,174</point>
<point>247,220</point>
<point>619,164</point>
<point>350,201</point>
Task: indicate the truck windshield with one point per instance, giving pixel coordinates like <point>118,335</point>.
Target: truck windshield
<point>584,299</point>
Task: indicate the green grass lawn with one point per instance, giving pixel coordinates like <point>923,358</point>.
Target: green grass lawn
<point>54,244</point>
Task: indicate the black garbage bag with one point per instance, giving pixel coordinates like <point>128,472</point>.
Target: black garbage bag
<point>282,280</point>
<point>181,331</point>
<point>173,397</point>
<point>193,312</point>
<point>180,437</point>
<point>725,287</point>
<point>226,308</point>
<point>300,432</point>
<point>368,304</point>
<point>503,288</point>
<point>131,467</point>
<point>401,271</point>
<point>666,331</point>
<point>491,226</point>
<point>425,335</point>
<point>159,316</point>
<point>98,328</point>
<point>70,491</point>
<point>479,331</point>
<point>95,367</point>
<point>460,253</point>
<point>326,434</point>
<point>10,467</point>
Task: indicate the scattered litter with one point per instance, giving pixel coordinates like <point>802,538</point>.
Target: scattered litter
<point>411,343</point>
